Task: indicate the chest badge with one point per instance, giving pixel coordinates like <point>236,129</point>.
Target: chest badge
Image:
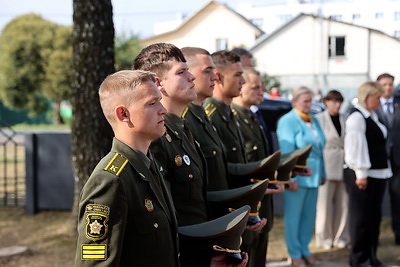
<point>186,159</point>
<point>178,160</point>
<point>149,205</point>
<point>168,137</point>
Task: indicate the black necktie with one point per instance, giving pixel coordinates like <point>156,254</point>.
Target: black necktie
<point>266,130</point>
<point>155,174</point>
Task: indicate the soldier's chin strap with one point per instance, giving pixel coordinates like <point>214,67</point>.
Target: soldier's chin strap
<point>218,248</point>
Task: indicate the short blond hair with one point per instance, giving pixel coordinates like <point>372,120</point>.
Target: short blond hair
<point>367,89</point>
<point>119,89</point>
<point>247,71</point>
<point>301,90</point>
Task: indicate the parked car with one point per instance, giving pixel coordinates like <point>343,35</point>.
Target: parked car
<point>273,109</point>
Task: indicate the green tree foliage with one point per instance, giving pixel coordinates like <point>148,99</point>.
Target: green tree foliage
<point>58,70</point>
<point>25,44</point>
<point>35,65</point>
<point>127,47</point>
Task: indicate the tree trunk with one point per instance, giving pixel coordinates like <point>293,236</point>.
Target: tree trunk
<point>58,120</point>
<point>93,60</point>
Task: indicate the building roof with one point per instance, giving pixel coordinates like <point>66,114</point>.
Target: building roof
<point>265,37</point>
<point>202,9</point>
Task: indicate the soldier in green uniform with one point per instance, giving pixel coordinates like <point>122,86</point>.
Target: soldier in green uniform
<point>257,148</point>
<point>256,144</point>
<point>202,67</point>
<point>181,160</point>
<point>229,71</point>
<point>126,215</point>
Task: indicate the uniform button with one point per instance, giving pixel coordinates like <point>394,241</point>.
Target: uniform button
<point>233,148</point>
<point>155,225</point>
<point>255,147</point>
<point>214,152</point>
<point>190,176</point>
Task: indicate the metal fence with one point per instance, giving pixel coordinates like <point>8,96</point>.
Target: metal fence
<point>12,167</point>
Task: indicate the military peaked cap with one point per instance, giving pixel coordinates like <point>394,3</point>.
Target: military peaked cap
<point>222,235</point>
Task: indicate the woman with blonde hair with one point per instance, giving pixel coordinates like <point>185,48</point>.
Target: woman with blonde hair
<point>365,154</point>
<point>297,129</point>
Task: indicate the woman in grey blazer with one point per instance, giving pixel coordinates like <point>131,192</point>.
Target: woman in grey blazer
<point>331,227</point>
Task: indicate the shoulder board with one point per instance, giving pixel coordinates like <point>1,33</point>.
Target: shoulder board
<point>116,164</point>
<point>210,109</point>
<point>184,112</point>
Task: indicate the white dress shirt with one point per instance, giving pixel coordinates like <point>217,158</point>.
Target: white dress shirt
<point>356,147</point>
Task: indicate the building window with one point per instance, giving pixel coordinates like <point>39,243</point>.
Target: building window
<point>222,44</point>
<point>336,17</point>
<point>336,46</point>
<point>356,16</point>
<point>397,15</point>
<point>378,15</point>
<point>397,34</point>
<point>258,21</point>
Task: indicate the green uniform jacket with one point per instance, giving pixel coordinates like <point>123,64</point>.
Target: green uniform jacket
<point>256,149</point>
<point>256,144</point>
<point>125,217</point>
<point>184,168</point>
<point>211,146</point>
<point>223,120</point>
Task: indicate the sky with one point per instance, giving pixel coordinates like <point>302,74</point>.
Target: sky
<point>130,16</point>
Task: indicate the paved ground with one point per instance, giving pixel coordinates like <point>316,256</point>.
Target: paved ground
<point>323,264</point>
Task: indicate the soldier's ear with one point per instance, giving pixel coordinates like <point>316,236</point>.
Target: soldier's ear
<point>159,83</point>
<point>219,76</point>
<point>122,113</point>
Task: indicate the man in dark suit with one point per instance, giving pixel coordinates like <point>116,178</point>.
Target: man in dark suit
<point>126,215</point>
<point>389,115</point>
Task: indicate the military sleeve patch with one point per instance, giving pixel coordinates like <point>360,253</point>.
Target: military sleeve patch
<point>96,221</point>
<point>116,164</point>
<point>210,109</point>
<point>94,252</point>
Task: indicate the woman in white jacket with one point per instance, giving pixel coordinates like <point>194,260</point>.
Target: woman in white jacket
<point>331,227</point>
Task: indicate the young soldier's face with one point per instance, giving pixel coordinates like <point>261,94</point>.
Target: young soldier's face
<point>147,112</point>
<point>251,92</point>
<point>203,70</point>
<point>233,80</point>
<point>178,82</point>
